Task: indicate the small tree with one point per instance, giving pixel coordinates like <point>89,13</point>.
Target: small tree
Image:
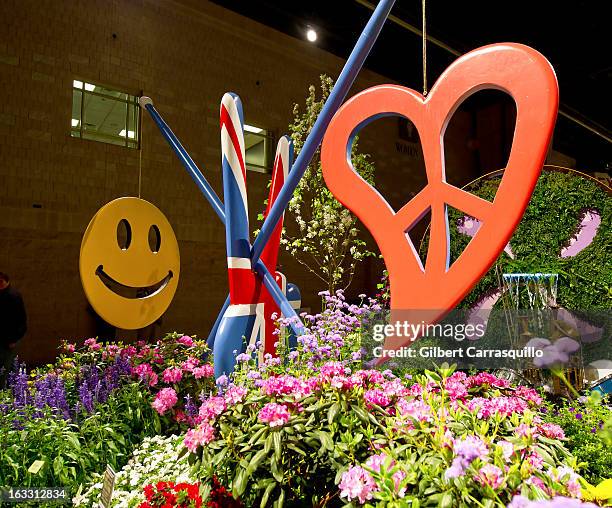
<point>326,240</point>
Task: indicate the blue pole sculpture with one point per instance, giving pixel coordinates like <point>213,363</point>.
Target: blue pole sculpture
<point>343,84</point>
<point>345,81</point>
<point>218,206</point>
<point>185,158</point>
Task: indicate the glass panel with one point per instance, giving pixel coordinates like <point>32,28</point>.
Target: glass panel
<point>75,121</point>
<point>103,114</point>
<point>255,149</point>
<point>90,87</point>
<point>104,119</point>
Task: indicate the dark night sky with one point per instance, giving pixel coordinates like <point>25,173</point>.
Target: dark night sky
<point>573,35</point>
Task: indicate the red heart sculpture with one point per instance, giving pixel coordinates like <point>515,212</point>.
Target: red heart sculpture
<point>435,289</point>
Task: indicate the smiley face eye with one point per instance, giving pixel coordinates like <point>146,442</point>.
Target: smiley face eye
<point>154,239</point>
<point>124,234</point>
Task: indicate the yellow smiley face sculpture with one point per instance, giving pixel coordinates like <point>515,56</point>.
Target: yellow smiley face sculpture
<point>129,263</point>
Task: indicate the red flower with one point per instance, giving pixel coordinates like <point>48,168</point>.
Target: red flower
<point>148,492</point>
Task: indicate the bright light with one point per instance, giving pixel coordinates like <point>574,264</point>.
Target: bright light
<point>250,128</point>
<point>130,134</point>
<point>75,122</point>
<point>77,84</point>
<point>89,87</point>
<point>311,35</point>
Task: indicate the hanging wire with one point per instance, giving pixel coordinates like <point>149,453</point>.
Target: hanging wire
<point>424,31</point>
<point>140,165</point>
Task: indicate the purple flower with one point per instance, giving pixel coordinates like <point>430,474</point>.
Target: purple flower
<point>466,451</point>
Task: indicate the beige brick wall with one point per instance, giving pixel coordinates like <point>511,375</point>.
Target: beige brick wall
<point>185,55</point>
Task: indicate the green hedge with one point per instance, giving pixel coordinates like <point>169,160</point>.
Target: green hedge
<point>551,219</point>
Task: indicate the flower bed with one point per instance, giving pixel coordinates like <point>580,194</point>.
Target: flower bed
<point>364,436</point>
<point>66,421</point>
<point>155,459</point>
<point>310,427</point>
<point>582,424</point>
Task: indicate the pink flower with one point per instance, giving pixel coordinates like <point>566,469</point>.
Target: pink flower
<point>212,407</point>
<point>535,461</point>
<point>69,347</point>
<point>524,430</point>
<point>485,408</point>
<point>331,369</point>
<point>490,475</point>
<point>93,345</point>
<point>235,394</point>
<point>485,378</point>
<point>529,394</point>
<point>357,483</point>
<point>416,409</point>
<point>395,388</point>
<point>145,372</point>
<point>164,400</point>
<point>129,351</point>
<point>456,390</point>
<point>507,449</point>
<point>186,340</point>
<point>190,364</point>
<point>376,462</point>
<point>203,371</point>
<point>172,375</point>
<point>376,396</point>
<point>552,431</point>
<point>274,414</point>
<point>285,385</point>
<point>567,476</point>
<point>202,434</point>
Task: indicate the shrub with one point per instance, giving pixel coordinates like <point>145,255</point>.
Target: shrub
<point>582,424</point>
<point>447,439</point>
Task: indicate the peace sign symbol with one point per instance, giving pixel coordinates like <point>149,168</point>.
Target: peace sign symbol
<point>435,289</point>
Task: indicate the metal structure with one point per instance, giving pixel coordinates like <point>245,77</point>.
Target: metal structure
<point>525,75</point>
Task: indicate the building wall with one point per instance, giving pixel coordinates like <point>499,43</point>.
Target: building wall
<point>185,55</point>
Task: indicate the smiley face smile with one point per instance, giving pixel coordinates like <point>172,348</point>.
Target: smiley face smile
<point>131,291</point>
<point>129,263</point>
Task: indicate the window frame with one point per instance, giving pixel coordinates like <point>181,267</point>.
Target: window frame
<point>268,139</point>
<point>128,142</point>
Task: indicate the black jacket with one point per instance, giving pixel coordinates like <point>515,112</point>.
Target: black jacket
<point>13,322</point>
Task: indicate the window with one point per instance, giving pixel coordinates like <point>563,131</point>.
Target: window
<point>105,115</point>
<point>257,144</point>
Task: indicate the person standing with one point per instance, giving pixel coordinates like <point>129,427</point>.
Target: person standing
<point>13,325</point>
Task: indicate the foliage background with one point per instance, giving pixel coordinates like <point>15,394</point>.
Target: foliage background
<point>551,219</point>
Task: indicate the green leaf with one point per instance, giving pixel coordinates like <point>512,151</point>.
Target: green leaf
<point>276,473</point>
<point>280,502</point>
<point>240,482</point>
<point>325,439</point>
<point>446,501</point>
<point>36,466</point>
<point>268,443</point>
<point>332,412</point>
<point>255,462</point>
<point>277,445</point>
<point>266,495</point>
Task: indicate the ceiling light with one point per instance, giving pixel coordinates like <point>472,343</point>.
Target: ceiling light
<point>250,128</point>
<point>75,122</point>
<point>89,87</point>
<point>77,84</point>
<point>130,134</point>
<point>311,35</point>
